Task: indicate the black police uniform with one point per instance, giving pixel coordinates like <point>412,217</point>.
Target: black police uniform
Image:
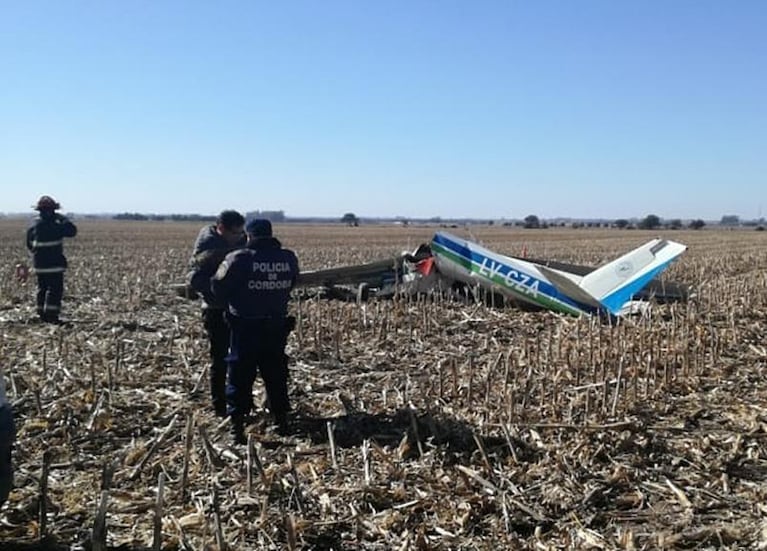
<point>256,282</point>
<point>45,242</point>
<point>210,248</point>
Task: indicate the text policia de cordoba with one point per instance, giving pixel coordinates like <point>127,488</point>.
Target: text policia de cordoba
<point>271,269</point>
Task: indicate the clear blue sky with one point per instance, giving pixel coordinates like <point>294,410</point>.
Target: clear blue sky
<point>579,108</point>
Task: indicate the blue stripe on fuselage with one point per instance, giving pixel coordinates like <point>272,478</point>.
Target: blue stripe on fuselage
<point>544,287</point>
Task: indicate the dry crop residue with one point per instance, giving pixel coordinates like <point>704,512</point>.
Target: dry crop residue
<point>420,423</point>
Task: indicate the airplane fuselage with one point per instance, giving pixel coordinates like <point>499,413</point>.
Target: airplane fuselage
<point>471,263</point>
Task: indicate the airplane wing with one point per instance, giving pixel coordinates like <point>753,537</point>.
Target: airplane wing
<point>372,273</point>
<point>378,273</point>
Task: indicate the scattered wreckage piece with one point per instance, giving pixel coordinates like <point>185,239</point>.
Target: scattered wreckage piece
<point>407,273</point>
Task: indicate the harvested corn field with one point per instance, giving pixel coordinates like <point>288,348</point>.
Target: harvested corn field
<point>420,423</point>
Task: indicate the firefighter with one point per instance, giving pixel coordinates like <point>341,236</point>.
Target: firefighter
<point>45,241</point>
<point>7,436</point>
<point>213,243</point>
<point>255,283</point>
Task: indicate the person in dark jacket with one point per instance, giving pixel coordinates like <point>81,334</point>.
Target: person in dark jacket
<point>213,243</point>
<point>7,436</point>
<point>45,240</point>
<point>255,283</point>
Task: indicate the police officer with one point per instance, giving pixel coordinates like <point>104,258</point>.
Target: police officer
<point>255,282</point>
<point>213,243</point>
<point>45,241</point>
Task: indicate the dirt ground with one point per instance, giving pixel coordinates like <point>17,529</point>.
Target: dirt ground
<point>420,423</point>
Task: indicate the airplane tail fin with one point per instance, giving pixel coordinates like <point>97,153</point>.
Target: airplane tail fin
<point>615,283</point>
<point>611,286</point>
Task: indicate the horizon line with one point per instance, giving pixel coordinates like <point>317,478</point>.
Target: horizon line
<point>395,218</point>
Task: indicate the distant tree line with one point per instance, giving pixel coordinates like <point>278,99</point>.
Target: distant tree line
<point>271,215</point>
<point>653,222</point>
<point>532,221</point>
<point>649,222</point>
<point>162,217</point>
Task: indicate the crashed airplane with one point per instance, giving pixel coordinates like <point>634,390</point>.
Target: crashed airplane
<point>615,288</point>
<point>448,262</point>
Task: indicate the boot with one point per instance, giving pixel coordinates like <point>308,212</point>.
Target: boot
<point>238,430</point>
<point>219,406</point>
<point>281,420</point>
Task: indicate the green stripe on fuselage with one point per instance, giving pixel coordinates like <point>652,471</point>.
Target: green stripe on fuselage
<point>539,298</point>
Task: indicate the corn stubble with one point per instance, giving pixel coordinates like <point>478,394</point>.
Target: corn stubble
<point>421,423</point>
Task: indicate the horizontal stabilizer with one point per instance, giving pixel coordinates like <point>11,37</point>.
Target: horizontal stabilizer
<point>568,286</point>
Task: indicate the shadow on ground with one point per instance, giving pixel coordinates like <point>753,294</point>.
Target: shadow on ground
<point>454,436</point>
<point>51,544</point>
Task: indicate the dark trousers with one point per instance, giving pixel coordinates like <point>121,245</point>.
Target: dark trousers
<point>257,347</point>
<point>50,290</point>
<point>7,436</point>
<point>218,337</point>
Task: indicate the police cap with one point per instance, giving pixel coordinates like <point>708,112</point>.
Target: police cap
<point>259,227</point>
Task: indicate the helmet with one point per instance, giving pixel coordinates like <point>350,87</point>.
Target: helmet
<point>46,203</point>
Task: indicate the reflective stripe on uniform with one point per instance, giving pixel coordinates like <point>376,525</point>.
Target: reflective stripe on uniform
<point>55,270</point>
<point>51,308</point>
<point>39,244</point>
